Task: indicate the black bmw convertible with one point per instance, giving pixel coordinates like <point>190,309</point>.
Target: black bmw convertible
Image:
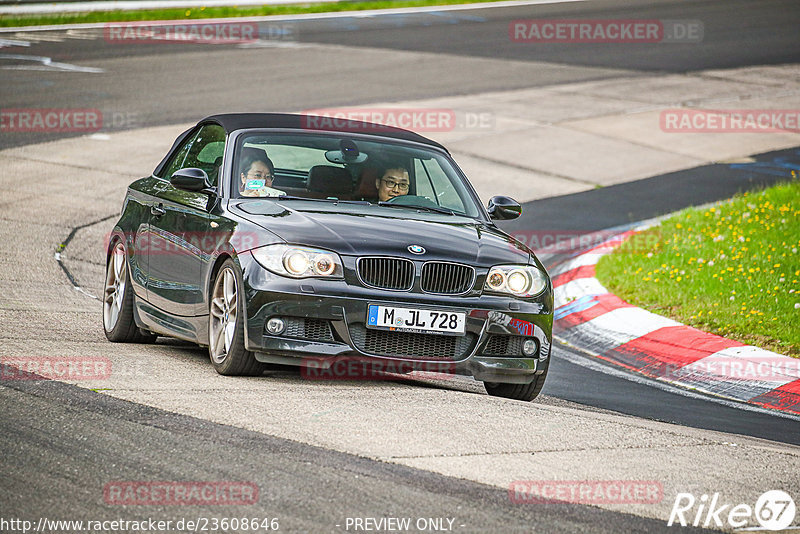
<point>272,240</point>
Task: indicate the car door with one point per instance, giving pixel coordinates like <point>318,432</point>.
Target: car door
<point>179,224</point>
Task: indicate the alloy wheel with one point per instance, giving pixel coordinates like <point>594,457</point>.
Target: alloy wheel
<point>224,306</point>
<point>116,284</point>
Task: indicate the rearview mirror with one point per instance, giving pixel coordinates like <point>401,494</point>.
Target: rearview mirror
<point>192,179</point>
<point>503,208</point>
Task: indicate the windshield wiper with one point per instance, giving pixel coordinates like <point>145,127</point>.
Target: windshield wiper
<point>436,209</point>
<point>290,197</point>
<point>359,202</point>
<point>332,199</point>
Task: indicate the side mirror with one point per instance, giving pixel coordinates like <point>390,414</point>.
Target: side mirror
<point>192,179</point>
<point>503,208</point>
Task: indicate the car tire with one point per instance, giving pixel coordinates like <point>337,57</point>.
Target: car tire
<point>118,322</point>
<point>523,392</point>
<point>226,325</point>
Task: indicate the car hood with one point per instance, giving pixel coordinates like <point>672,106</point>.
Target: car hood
<point>357,230</point>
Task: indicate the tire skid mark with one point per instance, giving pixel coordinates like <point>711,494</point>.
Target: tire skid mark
<point>63,247</point>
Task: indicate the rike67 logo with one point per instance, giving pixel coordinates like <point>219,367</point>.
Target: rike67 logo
<point>774,510</point>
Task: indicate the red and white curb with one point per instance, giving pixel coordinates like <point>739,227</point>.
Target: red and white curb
<point>587,316</point>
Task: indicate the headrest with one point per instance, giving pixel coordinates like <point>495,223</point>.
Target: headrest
<point>330,180</point>
<point>366,187</point>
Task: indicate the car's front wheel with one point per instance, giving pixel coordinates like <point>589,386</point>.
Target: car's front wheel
<point>523,392</point>
<point>118,322</point>
<point>226,325</point>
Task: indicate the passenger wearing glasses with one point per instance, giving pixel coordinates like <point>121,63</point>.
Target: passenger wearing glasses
<point>393,183</point>
<point>257,174</point>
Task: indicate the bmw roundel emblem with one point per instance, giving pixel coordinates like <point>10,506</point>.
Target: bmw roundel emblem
<point>416,249</point>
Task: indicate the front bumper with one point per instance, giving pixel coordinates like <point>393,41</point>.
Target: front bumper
<point>344,307</point>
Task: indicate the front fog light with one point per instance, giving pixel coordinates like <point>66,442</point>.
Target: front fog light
<point>275,326</point>
<point>529,347</point>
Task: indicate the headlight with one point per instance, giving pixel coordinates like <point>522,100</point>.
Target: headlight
<point>296,262</point>
<point>496,280</point>
<point>519,280</point>
<point>299,262</point>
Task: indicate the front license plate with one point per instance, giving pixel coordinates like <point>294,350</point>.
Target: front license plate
<point>415,320</point>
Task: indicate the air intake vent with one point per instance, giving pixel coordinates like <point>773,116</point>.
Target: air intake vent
<point>303,328</point>
<point>411,345</point>
<point>387,273</point>
<point>447,278</point>
<point>503,345</point>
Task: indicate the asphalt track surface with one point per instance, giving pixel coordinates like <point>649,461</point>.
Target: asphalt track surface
<point>65,436</point>
<point>308,488</point>
<point>457,53</point>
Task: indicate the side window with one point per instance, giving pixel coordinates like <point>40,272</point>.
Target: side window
<point>206,151</point>
<point>433,182</point>
<point>423,181</point>
<point>177,160</point>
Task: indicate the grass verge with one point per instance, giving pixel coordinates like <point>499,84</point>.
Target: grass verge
<point>732,269</point>
<point>215,12</point>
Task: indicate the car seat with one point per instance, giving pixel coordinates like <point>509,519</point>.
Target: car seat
<point>327,181</point>
<point>366,189</point>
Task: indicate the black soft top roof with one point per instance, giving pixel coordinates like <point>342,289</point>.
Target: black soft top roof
<point>239,121</point>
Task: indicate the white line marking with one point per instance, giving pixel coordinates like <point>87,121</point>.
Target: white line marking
<point>80,289</point>
<point>13,42</point>
<point>576,289</point>
<point>615,328</point>
<point>590,258</point>
<point>46,64</point>
<point>274,44</point>
<point>38,37</point>
<point>77,34</point>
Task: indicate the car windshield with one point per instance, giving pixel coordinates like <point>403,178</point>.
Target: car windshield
<point>333,168</point>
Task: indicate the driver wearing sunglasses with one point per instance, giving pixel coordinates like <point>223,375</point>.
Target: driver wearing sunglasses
<point>393,183</point>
